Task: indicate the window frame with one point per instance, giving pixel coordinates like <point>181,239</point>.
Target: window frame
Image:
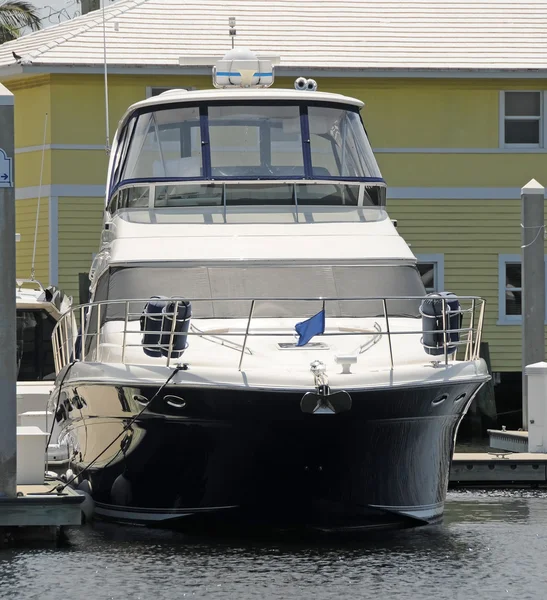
<point>438,268</point>
<point>503,118</point>
<point>503,260</point>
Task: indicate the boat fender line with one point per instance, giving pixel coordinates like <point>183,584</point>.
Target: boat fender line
<point>438,329</point>
<point>323,401</point>
<point>127,426</point>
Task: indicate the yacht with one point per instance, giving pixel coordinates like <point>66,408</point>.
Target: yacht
<point>259,348</point>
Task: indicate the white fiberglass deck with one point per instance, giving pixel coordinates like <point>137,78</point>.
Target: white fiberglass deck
<point>228,351</point>
<point>223,339</point>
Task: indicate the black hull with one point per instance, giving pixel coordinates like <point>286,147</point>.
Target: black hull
<point>251,458</point>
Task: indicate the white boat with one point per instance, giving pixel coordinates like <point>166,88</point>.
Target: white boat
<point>38,309</point>
<point>259,349</point>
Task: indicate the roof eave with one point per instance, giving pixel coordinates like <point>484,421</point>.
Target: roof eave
<point>18,70</point>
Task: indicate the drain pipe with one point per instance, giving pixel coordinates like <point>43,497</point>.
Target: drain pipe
<point>8,341</point>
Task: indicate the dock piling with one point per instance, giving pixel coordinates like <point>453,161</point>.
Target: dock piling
<point>533,283</point>
<point>8,341</point>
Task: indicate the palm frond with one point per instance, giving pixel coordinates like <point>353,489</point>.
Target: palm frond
<point>16,15</point>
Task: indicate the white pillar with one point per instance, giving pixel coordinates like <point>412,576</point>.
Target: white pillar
<point>8,341</point>
<point>533,283</point>
<point>536,375</point>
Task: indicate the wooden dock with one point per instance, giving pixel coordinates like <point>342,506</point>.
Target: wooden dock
<point>498,468</point>
<point>38,513</point>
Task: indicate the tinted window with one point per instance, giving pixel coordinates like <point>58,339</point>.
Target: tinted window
<point>34,347</point>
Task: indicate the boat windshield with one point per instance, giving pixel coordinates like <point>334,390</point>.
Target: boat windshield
<point>245,141</point>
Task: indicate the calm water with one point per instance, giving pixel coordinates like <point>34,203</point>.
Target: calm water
<point>492,545</point>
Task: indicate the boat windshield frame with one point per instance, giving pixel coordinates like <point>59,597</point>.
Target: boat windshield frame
<point>228,195</point>
<point>127,135</point>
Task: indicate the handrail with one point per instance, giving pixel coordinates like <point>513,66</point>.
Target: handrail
<point>65,337</point>
<point>21,282</point>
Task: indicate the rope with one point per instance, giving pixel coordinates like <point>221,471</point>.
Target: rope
<point>540,228</point>
<point>106,102</point>
<point>32,270</point>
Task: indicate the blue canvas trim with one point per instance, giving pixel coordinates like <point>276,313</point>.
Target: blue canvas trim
<point>306,145</point>
<point>205,145</point>
<point>237,74</point>
<point>350,179</point>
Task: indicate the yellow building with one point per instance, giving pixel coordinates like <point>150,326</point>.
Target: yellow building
<point>457,119</point>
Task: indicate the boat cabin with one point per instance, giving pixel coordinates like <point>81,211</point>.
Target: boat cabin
<point>218,188</point>
<point>38,310</point>
<point>243,146</point>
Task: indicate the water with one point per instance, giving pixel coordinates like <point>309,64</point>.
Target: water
<point>493,545</point>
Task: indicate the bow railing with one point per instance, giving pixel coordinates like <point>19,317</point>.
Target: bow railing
<point>82,334</point>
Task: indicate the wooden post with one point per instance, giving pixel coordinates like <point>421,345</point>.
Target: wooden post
<point>533,283</point>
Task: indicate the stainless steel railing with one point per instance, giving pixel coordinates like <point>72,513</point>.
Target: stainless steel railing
<point>77,335</point>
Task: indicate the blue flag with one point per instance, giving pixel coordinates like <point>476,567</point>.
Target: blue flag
<point>313,326</point>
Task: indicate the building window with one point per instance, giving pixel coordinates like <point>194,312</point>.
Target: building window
<point>521,123</point>
<point>156,91</point>
<point>431,267</point>
<point>510,289</point>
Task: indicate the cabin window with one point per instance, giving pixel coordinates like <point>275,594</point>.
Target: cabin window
<point>510,289</point>
<point>166,143</point>
<point>431,268</point>
<point>129,197</point>
<point>329,195</point>
<point>277,194</point>
<point>187,195</point>
<point>522,116</point>
<point>339,146</point>
<point>34,346</point>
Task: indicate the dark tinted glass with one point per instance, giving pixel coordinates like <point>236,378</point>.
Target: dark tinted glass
<point>34,347</point>
<point>427,272</point>
<point>188,195</point>
<point>522,104</point>
<point>522,132</point>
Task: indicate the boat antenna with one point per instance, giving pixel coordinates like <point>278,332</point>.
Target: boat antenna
<point>107,116</point>
<point>32,265</point>
<point>233,31</point>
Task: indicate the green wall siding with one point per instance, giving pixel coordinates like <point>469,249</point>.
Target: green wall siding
<point>80,225</point>
<point>471,234</point>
